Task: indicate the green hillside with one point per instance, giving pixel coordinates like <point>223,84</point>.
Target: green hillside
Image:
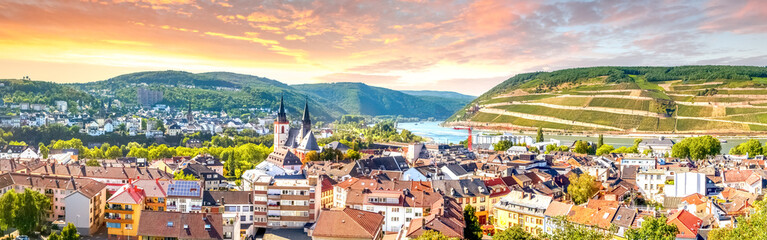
<point>684,99</point>
<point>359,98</point>
<point>236,94</point>
<point>442,94</point>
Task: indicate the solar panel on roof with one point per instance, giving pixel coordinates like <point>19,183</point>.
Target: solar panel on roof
<point>184,188</point>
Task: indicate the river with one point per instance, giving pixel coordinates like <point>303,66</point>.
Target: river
<point>439,134</point>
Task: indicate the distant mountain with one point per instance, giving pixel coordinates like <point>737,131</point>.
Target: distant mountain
<point>234,92</point>
<point>359,98</point>
<point>444,94</point>
<point>684,99</point>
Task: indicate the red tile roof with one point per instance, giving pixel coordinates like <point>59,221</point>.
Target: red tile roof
<point>171,225</point>
<point>348,223</point>
<point>687,223</point>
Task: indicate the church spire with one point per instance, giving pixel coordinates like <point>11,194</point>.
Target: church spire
<point>306,119</point>
<point>281,116</point>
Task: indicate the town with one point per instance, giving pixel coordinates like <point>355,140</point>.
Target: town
<point>304,187</point>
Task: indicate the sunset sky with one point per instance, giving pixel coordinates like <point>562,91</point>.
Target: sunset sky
<point>466,46</point>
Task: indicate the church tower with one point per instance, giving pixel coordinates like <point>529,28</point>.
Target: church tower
<point>306,122</point>
<point>281,127</point>
<point>189,115</point>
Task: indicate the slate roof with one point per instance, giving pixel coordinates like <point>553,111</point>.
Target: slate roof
<point>171,225</point>
<point>456,169</point>
<point>461,188</point>
<point>219,198</point>
<point>348,223</point>
<point>283,157</point>
<point>392,163</point>
<point>337,146</point>
<point>309,143</point>
<point>624,217</point>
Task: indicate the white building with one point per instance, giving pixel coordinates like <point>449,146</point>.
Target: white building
<point>642,163</point>
<point>685,184</point>
<point>651,183</point>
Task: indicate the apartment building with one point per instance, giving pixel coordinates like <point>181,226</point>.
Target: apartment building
<point>521,209</point>
<point>236,208</point>
<point>184,196</point>
<point>290,201</point>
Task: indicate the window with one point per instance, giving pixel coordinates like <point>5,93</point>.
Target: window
<point>408,219</point>
<point>129,226</point>
<point>242,218</point>
<point>395,209</point>
<point>128,216</point>
<point>408,210</point>
<point>230,209</point>
<point>113,225</point>
<point>170,224</point>
<point>394,219</point>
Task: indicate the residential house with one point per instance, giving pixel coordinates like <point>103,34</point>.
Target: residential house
<point>177,225</point>
<point>521,209</point>
<point>184,196</point>
<point>211,179</point>
<point>687,224</point>
<point>446,217</point>
<point>236,208</point>
<point>349,224</point>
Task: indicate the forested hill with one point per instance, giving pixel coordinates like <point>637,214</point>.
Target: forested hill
<point>235,93</point>
<point>443,94</point>
<point>684,99</point>
<point>368,100</point>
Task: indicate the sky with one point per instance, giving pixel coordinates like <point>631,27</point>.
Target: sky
<point>467,46</point>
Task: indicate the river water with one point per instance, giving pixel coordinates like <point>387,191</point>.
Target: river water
<point>441,134</point>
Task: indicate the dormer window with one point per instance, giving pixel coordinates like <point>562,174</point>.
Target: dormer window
<point>170,224</point>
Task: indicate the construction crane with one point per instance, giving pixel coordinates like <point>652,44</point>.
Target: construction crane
<point>470,143</point>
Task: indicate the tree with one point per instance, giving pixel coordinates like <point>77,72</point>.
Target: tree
<point>160,125</point>
<point>30,210</point>
<point>352,154</point>
<point>179,175</point>
<point>653,229</point>
<point>752,147</point>
<point>311,156</point>
<point>567,230</point>
<point>751,227</point>
<point>514,233</point>
<point>138,152</point>
<point>54,236</point>
<point>472,231</point>
<point>44,151</point>
<point>696,148</point>
<point>604,149</point>
<point>601,141</point>
<point>434,235</point>
<point>582,147</point>
<point>70,232</point>
<point>7,203</point>
<point>502,145</point>
<point>93,163</point>
<point>581,187</point>
<point>539,136</point>
<point>114,152</point>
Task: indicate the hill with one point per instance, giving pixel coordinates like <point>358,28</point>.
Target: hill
<point>235,93</point>
<point>442,94</point>
<point>684,99</point>
<point>359,98</point>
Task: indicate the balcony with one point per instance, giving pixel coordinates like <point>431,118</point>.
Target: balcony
<point>273,217</point>
<point>273,196</point>
<point>116,219</point>
<point>118,209</point>
<point>171,207</point>
<point>195,208</point>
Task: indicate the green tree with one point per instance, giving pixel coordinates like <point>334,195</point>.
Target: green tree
<point>582,147</point>
<point>44,151</point>
<point>93,163</point>
<point>752,147</point>
<point>604,149</point>
<point>601,141</point>
<point>539,136</point>
<point>138,152</point>
<point>696,148</point>
<point>70,232</point>
<point>434,235</point>
<point>179,175</point>
<point>567,230</point>
<point>352,154</point>
<point>653,229</point>
<point>514,233</point>
<point>114,152</point>
<point>751,227</point>
<point>502,145</point>
<point>31,210</point>
<point>54,236</point>
<point>581,187</point>
<point>7,203</point>
<point>472,231</point>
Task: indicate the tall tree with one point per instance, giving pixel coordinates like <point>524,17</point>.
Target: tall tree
<point>30,211</point>
<point>311,156</point>
<point>539,136</point>
<point>582,147</point>
<point>472,231</point>
<point>653,228</point>
<point>70,232</point>
<point>8,203</point>
<point>601,141</point>
<point>752,147</point>
<point>44,151</point>
<point>581,187</point>
<point>696,148</point>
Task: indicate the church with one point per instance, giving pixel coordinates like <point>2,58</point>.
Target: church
<point>298,141</point>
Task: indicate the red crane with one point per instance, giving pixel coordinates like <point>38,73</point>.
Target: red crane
<point>469,139</point>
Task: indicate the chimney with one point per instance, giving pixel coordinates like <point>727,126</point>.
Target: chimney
<point>250,198</point>
<point>222,201</point>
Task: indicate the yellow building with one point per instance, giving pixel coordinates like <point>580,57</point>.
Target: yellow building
<point>123,212</point>
<point>523,209</point>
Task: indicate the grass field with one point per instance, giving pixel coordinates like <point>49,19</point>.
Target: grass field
<point>733,111</point>
<point>643,105</point>
<point>657,124</point>
<point>535,123</point>
<point>566,101</point>
<point>484,117</point>
<point>694,124</point>
<point>762,80</point>
<point>518,98</point>
<point>603,118</point>
<point>694,111</point>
